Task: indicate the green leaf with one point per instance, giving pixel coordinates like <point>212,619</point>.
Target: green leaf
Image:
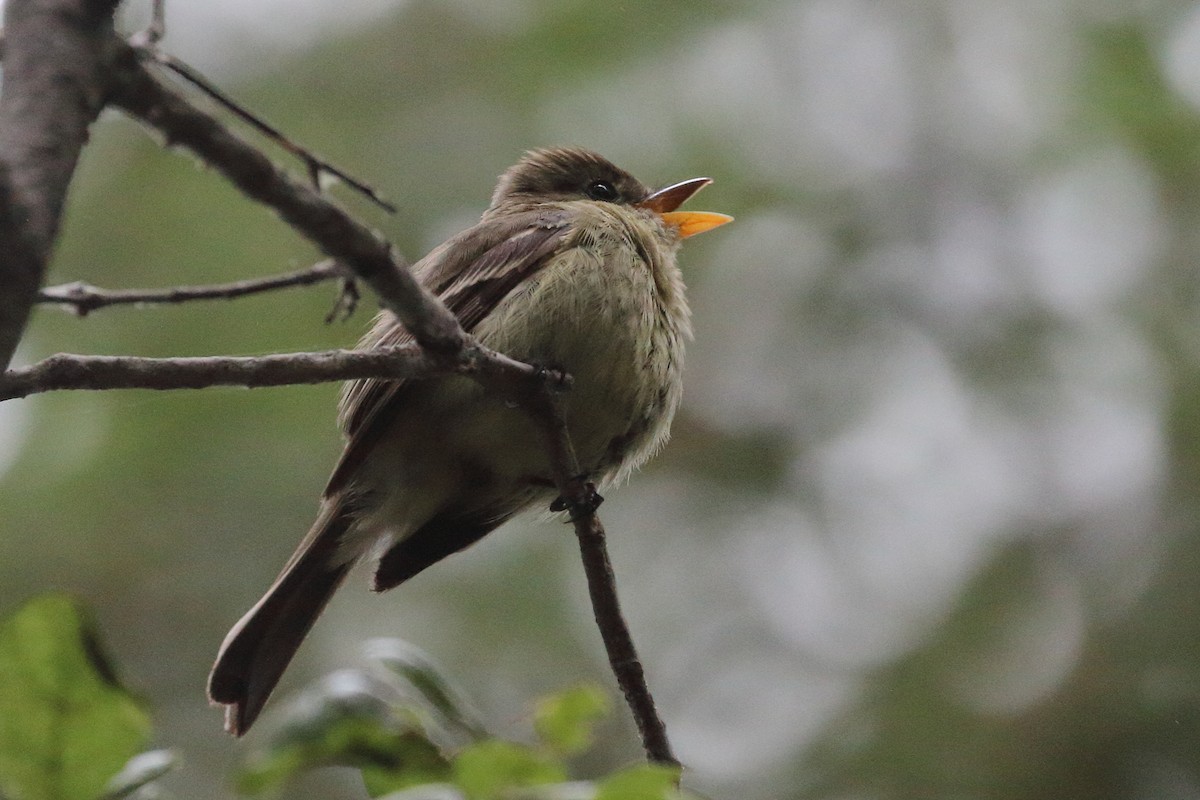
<point>388,760</point>
<point>643,782</point>
<point>490,769</point>
<point>416,761</point>
<point>140,771</point>
<point>66,725</point>
<point>566,721</point>
<point>417,671</point>
<point>344,721</point>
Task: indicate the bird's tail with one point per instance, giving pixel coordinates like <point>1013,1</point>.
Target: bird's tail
<point>261,645</point>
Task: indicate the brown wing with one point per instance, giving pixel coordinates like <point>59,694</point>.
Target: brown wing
<point>471,273</point>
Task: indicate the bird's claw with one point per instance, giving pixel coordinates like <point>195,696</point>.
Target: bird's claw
<point>555,379</point>
<point>588,501</point>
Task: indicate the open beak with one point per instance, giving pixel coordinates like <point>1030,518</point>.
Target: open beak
<point>688,223</point>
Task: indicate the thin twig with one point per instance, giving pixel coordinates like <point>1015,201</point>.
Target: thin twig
<point>316,166</point>
<point>83,298</point>
<point>579,498</point>
<point>347,300</point>
<point>618,642</point>
<point>339,236</point>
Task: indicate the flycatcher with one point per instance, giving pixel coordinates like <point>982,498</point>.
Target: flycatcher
<point>572,267</point>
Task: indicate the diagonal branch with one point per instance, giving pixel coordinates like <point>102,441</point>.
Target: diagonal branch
<point>618,642</point>
<point>316,166</point>
<point>146,97</point>
<point>83,298</point>
<point>580,500</point>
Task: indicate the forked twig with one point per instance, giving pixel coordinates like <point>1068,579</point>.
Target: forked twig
<point>146,97</point>
<point>317,167</point>
<point>145,42</point>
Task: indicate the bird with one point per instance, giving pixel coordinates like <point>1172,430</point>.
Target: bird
<point>572,267</point>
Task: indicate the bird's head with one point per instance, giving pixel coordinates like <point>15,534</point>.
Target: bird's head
<point>566,174</point>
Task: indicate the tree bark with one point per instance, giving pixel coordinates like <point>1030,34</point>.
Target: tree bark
<point>54,87</point>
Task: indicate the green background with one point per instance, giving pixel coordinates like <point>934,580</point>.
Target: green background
<point>928,524</point>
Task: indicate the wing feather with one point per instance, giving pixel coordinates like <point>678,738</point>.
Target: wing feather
<point>471,273</point>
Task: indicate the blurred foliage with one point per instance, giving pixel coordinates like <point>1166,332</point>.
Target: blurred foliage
<point>71,732</point>
<point>67,726</point>
<point>564,722</point>
<point>138,779</point>
<point>928,526</point>
<point>402,724</point>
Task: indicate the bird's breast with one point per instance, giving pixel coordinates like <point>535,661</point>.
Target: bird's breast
<point>597,310</point>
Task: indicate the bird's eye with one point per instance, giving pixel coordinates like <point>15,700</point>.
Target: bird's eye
<point>602,191</point>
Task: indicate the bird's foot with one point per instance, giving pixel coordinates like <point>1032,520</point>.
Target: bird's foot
<point>585,499</point>
<point>556,379</point>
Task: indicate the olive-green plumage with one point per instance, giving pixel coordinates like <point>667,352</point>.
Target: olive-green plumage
<point>571,267</point>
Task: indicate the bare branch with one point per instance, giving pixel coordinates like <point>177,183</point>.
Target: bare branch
<point>618,643</point>
<point>338,235</point>
<point>146,41</point>
<point>316,166</point>
<point>83,298</point>
<point>54,87</point>
<point>66,371</point>
<point>579,498</point>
